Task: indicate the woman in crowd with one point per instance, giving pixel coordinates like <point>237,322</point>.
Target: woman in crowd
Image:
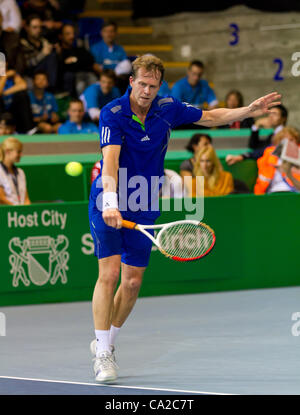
<point>217,182</point>
<point>13,189</point>
<point>234,99</point>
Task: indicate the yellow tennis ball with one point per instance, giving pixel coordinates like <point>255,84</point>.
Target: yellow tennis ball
<point>73,168</point>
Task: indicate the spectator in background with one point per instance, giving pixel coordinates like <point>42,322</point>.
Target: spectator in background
<point>164,89</point>
<point>39,53</point>
<point>196,143</point>
<point>48,12</point>
<point>7,124</point>
<point>99,94</point>
<point>172,186</point>
<point>271,176</point>
<point>109,55</point>
<point>277,119</point>
<point>75,124</point>
<point>217,182</point>
<point>13,188</point>
<point>14,99</point>
<point>12,19</point>
<point>10,46</point>
<point>234,99</point>
<point>77,67</point>
<point>95,171</point>
<point>43,105</point>
<point>193,89</point>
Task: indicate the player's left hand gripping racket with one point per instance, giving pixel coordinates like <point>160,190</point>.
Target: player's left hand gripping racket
<point>184,240</point>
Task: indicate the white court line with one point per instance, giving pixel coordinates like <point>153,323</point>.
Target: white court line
<point>112,386</point>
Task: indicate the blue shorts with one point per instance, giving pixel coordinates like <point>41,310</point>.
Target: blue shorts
<point>132,245</point>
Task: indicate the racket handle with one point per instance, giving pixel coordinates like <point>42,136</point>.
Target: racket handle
<point>127,224</point>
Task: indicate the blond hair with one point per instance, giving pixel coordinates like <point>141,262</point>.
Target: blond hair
<point>217,166</point>
<point>10,143</point>
<point>284,132</point>
<point>149,63</point>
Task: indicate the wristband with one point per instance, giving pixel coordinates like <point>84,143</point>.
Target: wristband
<point>109,201</point>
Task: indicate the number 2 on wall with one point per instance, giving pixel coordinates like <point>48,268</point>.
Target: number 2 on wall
<point>235,34</point>
<point>277,76</point>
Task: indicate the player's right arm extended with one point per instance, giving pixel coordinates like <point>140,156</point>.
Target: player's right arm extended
<point>111,214</point>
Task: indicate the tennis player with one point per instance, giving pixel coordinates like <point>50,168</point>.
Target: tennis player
<point>134,134</point>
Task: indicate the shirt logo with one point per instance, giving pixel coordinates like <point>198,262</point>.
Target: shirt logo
<point>146,138</point>
<point>105,135</point>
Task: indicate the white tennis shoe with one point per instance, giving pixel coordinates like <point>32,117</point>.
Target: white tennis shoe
<point>105,368</point>
<point>93,349</point>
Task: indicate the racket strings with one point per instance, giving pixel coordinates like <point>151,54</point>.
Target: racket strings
<point>186,240</point>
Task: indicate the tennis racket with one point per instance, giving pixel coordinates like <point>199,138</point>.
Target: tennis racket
<point>184,240</point>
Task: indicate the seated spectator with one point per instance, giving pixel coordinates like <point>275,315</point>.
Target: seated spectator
<point>164,89</point>
<point>75,124</point>
<point>39,53</point>
<point>271,176</point>
<point>97,95</point>
<point>234,99</point>
<point>7,124</point>
<point>172,186</point>
<point>287,169</point>
<point>43,105</point>
<point>193,89</point>
<point>77,67</point>
<point>13,189</point>
<point>110,55</point>
<point>277,119</point>
<point>14,99</point>
<point>10,46</point>
<point>217,182</point>
<point>95,171</point>
<point>48,12</point>
<point>12,19</point>
<point>196,143</point>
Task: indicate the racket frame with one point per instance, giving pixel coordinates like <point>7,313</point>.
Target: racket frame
<point>163,227</point>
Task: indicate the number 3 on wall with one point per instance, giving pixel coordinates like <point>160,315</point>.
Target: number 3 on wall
<point>234,33</point>
<point>277,76</point>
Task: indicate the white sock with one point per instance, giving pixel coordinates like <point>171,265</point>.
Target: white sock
<point>114,331</point>
<point>102,344</point>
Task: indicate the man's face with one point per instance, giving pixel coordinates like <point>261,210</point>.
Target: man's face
<point>145,86</point>
<point>106,84</point>
<point>6,129</point>
<point>109,34</point>
<point>194,74</point>
<point>76,112</point>
<point>35,28</point>
<point>275,117</point>
<point>68,35</point>
<point>40,81</point>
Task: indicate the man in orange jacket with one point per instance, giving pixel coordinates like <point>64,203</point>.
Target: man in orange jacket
<point>271,178</point>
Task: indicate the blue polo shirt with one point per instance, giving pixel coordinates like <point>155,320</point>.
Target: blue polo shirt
<point>197,95</point>
<point>143,150</point>
<point>72,128</point>
<point>109,57</point>
<point>47,104</point>
<point>93,96</point>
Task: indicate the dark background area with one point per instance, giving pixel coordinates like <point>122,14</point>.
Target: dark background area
<point>164,8</point>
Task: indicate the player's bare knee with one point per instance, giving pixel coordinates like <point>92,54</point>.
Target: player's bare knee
<point>109,277</point>
<point>132,284</point>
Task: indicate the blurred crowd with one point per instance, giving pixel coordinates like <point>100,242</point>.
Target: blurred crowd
<point>60,70</point>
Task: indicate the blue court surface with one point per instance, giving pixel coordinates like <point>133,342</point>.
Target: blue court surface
<point>241,342</point>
